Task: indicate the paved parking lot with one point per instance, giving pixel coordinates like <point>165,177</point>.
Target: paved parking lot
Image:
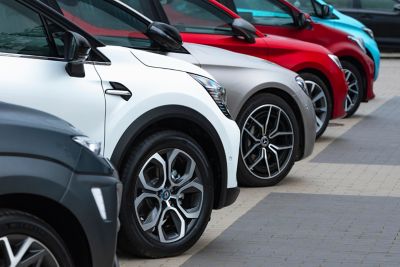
<point>339,207</point>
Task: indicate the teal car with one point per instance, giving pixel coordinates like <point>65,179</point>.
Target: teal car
<point>340,21</point>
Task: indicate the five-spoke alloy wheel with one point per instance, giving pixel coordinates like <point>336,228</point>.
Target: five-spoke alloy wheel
<point>168,196</point>
<point>269,141</point>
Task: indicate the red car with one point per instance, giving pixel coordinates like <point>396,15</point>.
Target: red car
<point>282,18</point>
<point>211,23</point>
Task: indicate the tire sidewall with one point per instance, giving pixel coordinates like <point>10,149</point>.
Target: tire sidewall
<point>19,223</point>
<point>131,226</point>
<point>245,177</point>
<point>314,78</point>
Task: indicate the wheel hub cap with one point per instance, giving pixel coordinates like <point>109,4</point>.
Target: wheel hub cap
<point>264,141</point>
<point>165,194</point>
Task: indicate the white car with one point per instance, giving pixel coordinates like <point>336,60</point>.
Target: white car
<point>157,118</point>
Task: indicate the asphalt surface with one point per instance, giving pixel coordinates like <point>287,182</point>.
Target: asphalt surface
<point>339,207</point>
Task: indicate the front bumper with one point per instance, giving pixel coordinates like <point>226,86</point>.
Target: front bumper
<point>309,125</point>
<point>229,135</point>
<point>101,233</point>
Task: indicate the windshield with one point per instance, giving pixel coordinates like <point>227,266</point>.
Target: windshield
<point>107,22</point>
<point>196,17</point>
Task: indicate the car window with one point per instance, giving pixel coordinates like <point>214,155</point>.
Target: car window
<point>304,5</point>
<point>22,31</point>
<point>109,23</point>
<point>197,17</point>
<point>381,5</point>
<point>264,12</point>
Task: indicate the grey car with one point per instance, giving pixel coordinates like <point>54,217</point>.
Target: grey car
<point>269,103</point>
<point>59,199</point>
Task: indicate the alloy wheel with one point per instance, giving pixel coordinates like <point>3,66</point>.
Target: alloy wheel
<point>320,103</point>
<point>267,141</point>
<point>22,250</point>
<point>353,89</point>
<point>169,195</point>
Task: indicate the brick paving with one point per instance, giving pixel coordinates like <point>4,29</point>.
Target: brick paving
<point>315,191</point>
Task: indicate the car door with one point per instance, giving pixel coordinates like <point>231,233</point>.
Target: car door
<point>383,17</point>
<point>33,71</point>
<point>271,17</point>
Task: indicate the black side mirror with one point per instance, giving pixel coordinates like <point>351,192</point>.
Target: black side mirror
<point>243,28</point>
<point>304,22</point>
<point>166,36</point>
<point>76,52</point>
<point>326,11</point>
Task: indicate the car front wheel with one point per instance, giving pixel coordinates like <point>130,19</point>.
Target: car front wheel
<point>321,99</point>
<point>28,241</point>
<point>168,196</point>
<point>269,141</point>
<point>355,93</point>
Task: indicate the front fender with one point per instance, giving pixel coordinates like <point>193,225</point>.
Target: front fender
<point>35,176</point>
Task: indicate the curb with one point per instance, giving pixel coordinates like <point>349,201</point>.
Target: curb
<point>390,55</point>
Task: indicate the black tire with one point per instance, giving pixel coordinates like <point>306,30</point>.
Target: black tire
<point>312,78</point>
<point>254,177</point>
<point>132,237</point>
<point>15,224</point>
<point>360,87</point>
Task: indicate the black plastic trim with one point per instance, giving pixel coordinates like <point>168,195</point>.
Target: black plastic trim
<point>231,196</point>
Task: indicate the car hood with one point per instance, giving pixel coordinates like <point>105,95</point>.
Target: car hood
<point>289,44</point>
<point>347,20</point>
<point>13,115</point>
<point>155,60</point>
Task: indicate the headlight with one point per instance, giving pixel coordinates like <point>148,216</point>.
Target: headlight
<point>302,85</point>
<point>369,32</point>
<point>359,42</point>
<point>84,141</point>
<point>216,91</point>
<point>336,60</point>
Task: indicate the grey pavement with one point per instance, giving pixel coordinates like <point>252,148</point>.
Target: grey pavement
<point>310,230</point>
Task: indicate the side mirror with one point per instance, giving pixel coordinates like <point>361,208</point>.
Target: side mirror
<point>166,36</point>
<point>304,21</point>
<point>243,28</point>
<point>76,52</point>
<point>326,11</point>
<point>396,8</point>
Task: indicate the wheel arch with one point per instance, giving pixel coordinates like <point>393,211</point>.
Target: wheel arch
<point>188,121</point>
<point>77,243</point>
<point>292,103</point>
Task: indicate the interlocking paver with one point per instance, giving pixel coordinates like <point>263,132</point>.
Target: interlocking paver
<point>335,230</point>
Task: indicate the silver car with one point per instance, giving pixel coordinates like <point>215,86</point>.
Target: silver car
<point>271,107</point>
<point>268,102</point>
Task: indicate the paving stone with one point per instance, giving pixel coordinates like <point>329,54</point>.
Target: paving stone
<point>374,140</point>
<point>329,231</point>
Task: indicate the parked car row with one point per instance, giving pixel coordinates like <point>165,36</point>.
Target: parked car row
<point>184,99</point>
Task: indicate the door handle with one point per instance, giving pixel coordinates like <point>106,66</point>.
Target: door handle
<point>119,90</point>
